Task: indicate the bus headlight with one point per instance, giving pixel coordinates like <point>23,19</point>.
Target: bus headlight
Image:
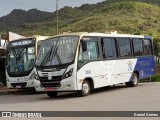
<point>68,74</point>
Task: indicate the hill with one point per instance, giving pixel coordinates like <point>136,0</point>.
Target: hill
<point>124,16</point>
<point>20,17</point>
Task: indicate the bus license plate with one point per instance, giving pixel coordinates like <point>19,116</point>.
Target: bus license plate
<point>18,86</point>
<point>50,89</point>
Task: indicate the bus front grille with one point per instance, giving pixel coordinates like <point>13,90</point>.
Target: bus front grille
<point>23,84</point>
<point>54,82</point>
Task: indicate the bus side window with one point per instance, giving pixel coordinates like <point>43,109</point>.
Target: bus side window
<point>109,48</point>
<point>125,47</point>
<point>91,52</point>
<point>138,47</point>
<point>147,47</point>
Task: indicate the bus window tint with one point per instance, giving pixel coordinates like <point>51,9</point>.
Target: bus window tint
<point>147,47</point>
<point>91,53</point>
<point>109,48</point>
<point>11,60</point>
<point>124,47</point>
<point>31,57</point>
<point>138,47</point>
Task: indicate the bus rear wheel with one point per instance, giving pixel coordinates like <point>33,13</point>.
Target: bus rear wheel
<point>85,88</point>
<point>52,94</point>
<point>134,81</point>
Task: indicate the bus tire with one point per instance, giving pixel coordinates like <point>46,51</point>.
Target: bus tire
<point>85,89</point>
<point>134,81</point>
<point>52,94</point>
<point>33,89</point>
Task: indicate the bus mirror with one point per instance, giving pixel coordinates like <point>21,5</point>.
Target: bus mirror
<point>84,45</point>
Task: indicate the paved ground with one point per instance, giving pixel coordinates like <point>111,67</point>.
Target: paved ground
<point>4,90</point>
<point>145,97</point>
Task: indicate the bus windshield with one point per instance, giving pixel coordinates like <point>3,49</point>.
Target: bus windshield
<point>57,51</point>
<point>21,59</point>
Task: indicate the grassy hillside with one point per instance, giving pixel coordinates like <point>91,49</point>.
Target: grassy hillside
<point>124,16</point>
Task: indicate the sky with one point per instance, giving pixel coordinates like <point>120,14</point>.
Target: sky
<point>6,6</point>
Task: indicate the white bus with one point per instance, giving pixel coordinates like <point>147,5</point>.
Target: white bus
<point>83,61</point>
<point>20,60</point>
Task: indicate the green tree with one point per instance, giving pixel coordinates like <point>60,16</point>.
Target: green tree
<point>156,46</point>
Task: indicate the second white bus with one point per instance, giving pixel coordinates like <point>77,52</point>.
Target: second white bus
<point>20,61</point>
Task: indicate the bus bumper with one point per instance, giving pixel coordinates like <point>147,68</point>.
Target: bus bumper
<point>19,85</point>
<point>67,85</point>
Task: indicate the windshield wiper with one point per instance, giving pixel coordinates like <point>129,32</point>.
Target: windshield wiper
<point>47,56</point>
<point>55,54</point>
<point>21,54</point>
<point>18,55</point>
<point>15,55</point>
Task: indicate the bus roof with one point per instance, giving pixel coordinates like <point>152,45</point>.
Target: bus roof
<point>103,35</point>
<point>39,37</point>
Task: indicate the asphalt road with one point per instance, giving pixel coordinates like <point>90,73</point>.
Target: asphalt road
<point>145,97</point>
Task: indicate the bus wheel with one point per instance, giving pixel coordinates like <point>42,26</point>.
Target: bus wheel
<point>85,88</point>
<point>33,90</point>
<point>52,94</point>
<point>134,81</point>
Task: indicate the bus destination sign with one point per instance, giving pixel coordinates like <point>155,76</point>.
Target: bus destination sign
<point>21,43</point>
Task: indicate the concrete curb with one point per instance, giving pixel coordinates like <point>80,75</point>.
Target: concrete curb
<point>4,90</point>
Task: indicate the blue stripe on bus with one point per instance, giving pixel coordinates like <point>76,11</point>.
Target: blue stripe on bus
<point>148,37</point>
<point>145,66</point>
